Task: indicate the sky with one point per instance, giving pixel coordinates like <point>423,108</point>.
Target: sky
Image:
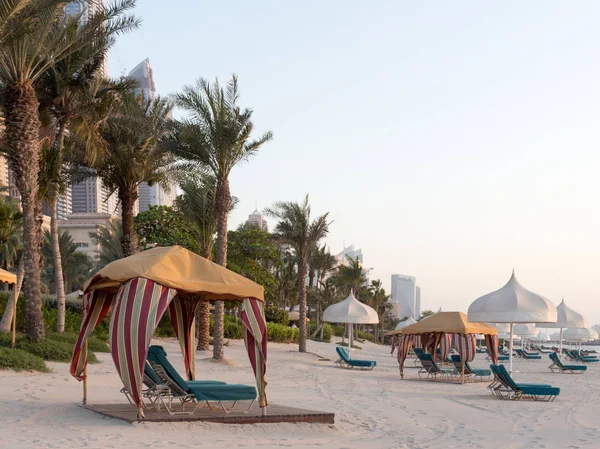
<point>451,141</point>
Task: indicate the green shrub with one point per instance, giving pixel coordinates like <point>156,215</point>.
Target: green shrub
<point>279,333</point>
<point>57,351</point>
<point>94,343</point>
<point>276,315</point>
<point>164,328</point>
<point>233,330</point>
<point>365,336</point>
<point>339,330</point>
<point>4,296</point>
<point>72,320</point>
<point>354,346</point>
<point>20,360</point>
<point>6,339</point>
<point>327,332</point>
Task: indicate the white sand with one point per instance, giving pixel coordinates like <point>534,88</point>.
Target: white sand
<point>373,409</point>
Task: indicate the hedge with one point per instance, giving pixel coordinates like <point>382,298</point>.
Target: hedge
<point>20,360</point>
<point>327,332</point>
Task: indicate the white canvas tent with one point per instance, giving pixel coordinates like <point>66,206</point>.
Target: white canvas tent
<point>350,311</point>
<point>566,318</point>
<point>512,304</point>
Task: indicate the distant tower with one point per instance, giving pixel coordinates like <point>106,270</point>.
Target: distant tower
<point>258,220</point>
<point>404,295</point>
<point>417,302</point>
<point>142,73</point>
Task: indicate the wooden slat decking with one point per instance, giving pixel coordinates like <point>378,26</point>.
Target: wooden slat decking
<point>275,414</point>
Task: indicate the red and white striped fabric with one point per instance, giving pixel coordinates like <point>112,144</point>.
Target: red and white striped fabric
<point>139,306</point>
<point>404,344</point>
<point>255,338</point>
<point>95,307</point>
<point>417,341</point>
<point>445,345</point>
<point>491,342</point>
<point>466,347</point>
<point>394,343</point>
<point>182,313</point>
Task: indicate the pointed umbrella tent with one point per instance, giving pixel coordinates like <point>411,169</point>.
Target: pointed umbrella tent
<point>401,325</point>
<point>566,318</point>
<point>512,304</point>
<point>350,311</point>
<point>140,288</point>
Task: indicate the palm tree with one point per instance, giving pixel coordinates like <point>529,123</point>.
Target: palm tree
<point>198,203</point>
<point>379,300</point>
<point>296,229</point>
<point>351,277</point>
<point>132,154</point>
<point>33,38</point>
<point>10,231</point>
<point>216,136</point>
<point>109,239</point>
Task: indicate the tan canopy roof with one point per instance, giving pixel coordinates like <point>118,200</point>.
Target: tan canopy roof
<point>8,277</point>
<point>449,322</point>
<point>176,267</point>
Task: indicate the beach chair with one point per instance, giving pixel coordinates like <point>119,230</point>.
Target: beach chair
<point>432,369</point>
<point>418,352</point>
<point>472,372</point>
<point>507,388</point>
<point>346,362</point>
<point>154,387</point>
<point>528,356</point>
<point>584,358</point>
<point>557,366</point>
<point>197,391</point>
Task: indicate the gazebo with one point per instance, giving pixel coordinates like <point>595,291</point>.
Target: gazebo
<point>7,277</point>
<point>446,329</point>
<point>350,311</point>
<point>512,304</point>
<point>139,289</point>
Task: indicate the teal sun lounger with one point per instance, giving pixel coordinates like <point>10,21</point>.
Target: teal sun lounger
<point>558,367</point>
<point>346,362</point>
<point>505,387</point>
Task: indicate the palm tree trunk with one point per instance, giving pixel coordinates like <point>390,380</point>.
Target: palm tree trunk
<point>223,201</point>
<point>203,313</point>
<point>7,317</point>
<point>129,243</point>
<point>302,269</point>
<point>59,283</point>
<point>22,138</point>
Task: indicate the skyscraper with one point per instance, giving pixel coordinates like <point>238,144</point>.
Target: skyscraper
<point>3,171</point>
<point>142,73</point>
<point>404,295</point>
<point>90,196</point>
<point>418,302</point>
<point>87,9</point>
<point>258,220</point>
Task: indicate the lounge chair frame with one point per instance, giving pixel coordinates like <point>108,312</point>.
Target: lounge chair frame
<point>558,367</point>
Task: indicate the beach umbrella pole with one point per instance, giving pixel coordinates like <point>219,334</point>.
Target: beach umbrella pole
<point>510,355</point>
<point>350,342</point>
<point>560,353</point>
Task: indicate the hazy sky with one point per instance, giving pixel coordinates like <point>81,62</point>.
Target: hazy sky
<point>451,141</point>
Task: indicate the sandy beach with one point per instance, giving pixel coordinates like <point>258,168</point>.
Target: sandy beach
<point>374,409</point>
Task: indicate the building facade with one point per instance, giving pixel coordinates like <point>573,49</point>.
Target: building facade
<point>155,195</point>
<point>81,225</point>
<point>417,302</point>
<point>3,171</point>
<point>91,197</point>
<point>404,296</point>
<point>258,220</point>
<point>142,73</point>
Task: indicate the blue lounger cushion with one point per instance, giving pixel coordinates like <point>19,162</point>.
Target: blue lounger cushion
<point>540,391</point>
<point>354,362</point>
<point>228,392</point>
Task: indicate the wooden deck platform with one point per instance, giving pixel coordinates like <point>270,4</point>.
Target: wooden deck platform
<point>275,414</point>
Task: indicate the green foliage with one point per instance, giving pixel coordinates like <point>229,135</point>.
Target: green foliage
<point>365,336</point>
<point>425,314</point>
<point>233,330</point>
<point>338,330</point>
<point>165,226</point>
<point>94,343</point>
<point>108,238</point>
<point>274,314</point>
<point>20,360</point>
<point>72,320</point>
<point>327,331</point>
<point>279,333</point>
<point>56,351</point>
<point>164,328</point>
<point>354,346</point>
<point>252,253</point>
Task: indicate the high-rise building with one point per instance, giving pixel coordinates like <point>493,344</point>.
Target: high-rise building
<point>3,171</point>
<point>417,302</point>
<point>91,197</point>
<point>155,195</point>
<point>404,295</point>
<point>87,9</point>
<point>258,220</point>
<point>142,73</point>
<point>343,258</point>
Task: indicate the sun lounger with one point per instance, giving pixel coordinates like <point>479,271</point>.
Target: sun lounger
<point>346,362</point>
<point>557,366</point>
<point>583,358</point>
<point>432,369</point>
<point>528,356</point>
<point>475,372</point>
<point>506,388</point>
<point>197,391</point>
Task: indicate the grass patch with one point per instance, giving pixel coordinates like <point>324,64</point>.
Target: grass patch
<point>20,360</point>
<point>52,350</point>
<point>345,345</point>
<point>94,343</point>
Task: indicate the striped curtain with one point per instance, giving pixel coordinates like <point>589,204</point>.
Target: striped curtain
<point>466,346</point>
<point>94,308</point>
<point>255,338</point>
<point>491,341</point>
<point>445,345</point>
<point>182,313</point>
<point>417,341</point>
<point>404,344</point>
<point>139,306</point>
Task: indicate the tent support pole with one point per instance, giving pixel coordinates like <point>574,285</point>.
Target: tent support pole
<point>462,380</point>
<point>264,411</point>
<point>510,355</point>
<point>14,317</point>
<point>350,342</point>
<point>560,353</point>
<point>85,376</point>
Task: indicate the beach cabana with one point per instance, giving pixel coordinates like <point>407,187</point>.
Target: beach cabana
<point>445,329</point>
<point>7,277</point>
<point>512,304</point>
<point>350,311</point>
<point>139,289</point>
<point>566,318</point>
